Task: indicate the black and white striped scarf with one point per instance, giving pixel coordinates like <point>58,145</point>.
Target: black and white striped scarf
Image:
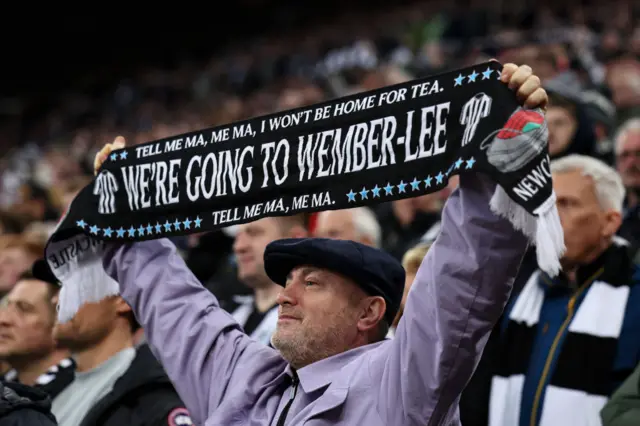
<point>53,381</point>
<point>579,384</point>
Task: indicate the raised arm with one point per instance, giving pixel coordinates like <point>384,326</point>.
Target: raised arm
<point>203,350</point>
<point>457,297</point>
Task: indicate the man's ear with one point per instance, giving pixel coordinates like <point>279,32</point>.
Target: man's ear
<point>372,313</point>
<point>613,221</point>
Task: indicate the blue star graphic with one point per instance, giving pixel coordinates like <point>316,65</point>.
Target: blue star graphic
<point>167,226</point>
<point>486,74</point>
<point>94,229</point>
<point>351,196</point>
<point>158,228</point>
<point>123,155</point>
<point>120,232</point>
<point>364,193</point>
<point>459,163</point>
<point>472,77</point>
<point>401,186</point>
<point>376,191</point>
<point>415,184</point>
<point>197,222</point>
<point>388,190</point>
<point>107,232</point>
<point>81,223</point>
<point>132,231</point>
<point>141,231</point>
<point>458,80</point>
<point>470,163</point>
<point>187,224</point>
<point>114,157</point>
<point>149,229</point>
<point>439,177</point>
<point>177,224</point>
<point>427,182</point>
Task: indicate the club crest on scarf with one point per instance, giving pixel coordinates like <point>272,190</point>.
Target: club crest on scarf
<point>522,139</point>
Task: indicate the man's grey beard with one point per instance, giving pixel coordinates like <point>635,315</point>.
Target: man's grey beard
<point>300,355</point>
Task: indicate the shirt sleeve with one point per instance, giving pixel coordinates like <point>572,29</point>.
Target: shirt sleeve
<point>203,350</point>
<point>458,295</point>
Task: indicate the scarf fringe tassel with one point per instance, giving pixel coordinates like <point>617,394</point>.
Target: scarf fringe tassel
<point>544,229</point>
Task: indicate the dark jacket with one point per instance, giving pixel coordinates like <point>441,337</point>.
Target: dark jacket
<point>22,405</point>
<point>623,409</point>
<point>143,396</point>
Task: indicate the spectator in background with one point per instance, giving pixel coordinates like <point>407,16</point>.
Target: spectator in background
<point>71,189</point>
<point>571,130</point>
<point>27,319</point>
<point>627,147</point>
<point>358,224</point>
<point>10,223</point>
<point>403,221</point>
<point>115,384</point>
<point>210,258</point>
<point>17,255</point>
<point>623,409</point>
<point>432,233</point>
<point>21,405</point>
<point>623,78</point>
<point>258,314</point>
<point>411,262</point>
<point>35,203</point>
<point>568,342</point>
<point>602,112</point>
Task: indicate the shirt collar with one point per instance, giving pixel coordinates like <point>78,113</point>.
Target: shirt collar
<point>322,373</point>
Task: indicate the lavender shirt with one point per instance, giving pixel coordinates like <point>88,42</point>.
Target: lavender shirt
<point>227,379</point>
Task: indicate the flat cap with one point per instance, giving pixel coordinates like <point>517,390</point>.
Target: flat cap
<point>373,270</point>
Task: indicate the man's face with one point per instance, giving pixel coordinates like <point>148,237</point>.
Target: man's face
<point>318,316</point>
<point>336,224</point>
<point>250,243</point>
<point>89,326</point>
<point>27,318</point>
<point>562,129</point>
<point>585,224</point>
<point>628,159</point>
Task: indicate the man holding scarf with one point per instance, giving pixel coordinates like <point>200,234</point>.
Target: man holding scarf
<point>332,365</point>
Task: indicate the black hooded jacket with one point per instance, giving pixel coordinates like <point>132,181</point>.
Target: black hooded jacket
<point>22,405</point>
<point>143,396</point>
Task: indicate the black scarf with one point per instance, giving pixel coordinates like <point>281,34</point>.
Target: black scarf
<point>396,142</point>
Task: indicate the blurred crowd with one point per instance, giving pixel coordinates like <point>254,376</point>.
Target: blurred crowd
<point>587,54</point>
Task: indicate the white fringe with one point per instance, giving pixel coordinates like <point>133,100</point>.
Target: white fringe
<point>74,294</point>
<point>83,278</point>
<point>544,229</point>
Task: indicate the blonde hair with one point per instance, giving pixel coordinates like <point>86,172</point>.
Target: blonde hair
<point>413,258</point>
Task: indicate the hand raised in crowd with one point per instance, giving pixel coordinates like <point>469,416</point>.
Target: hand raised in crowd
<point>526,84</point>
<point>101,156</point>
